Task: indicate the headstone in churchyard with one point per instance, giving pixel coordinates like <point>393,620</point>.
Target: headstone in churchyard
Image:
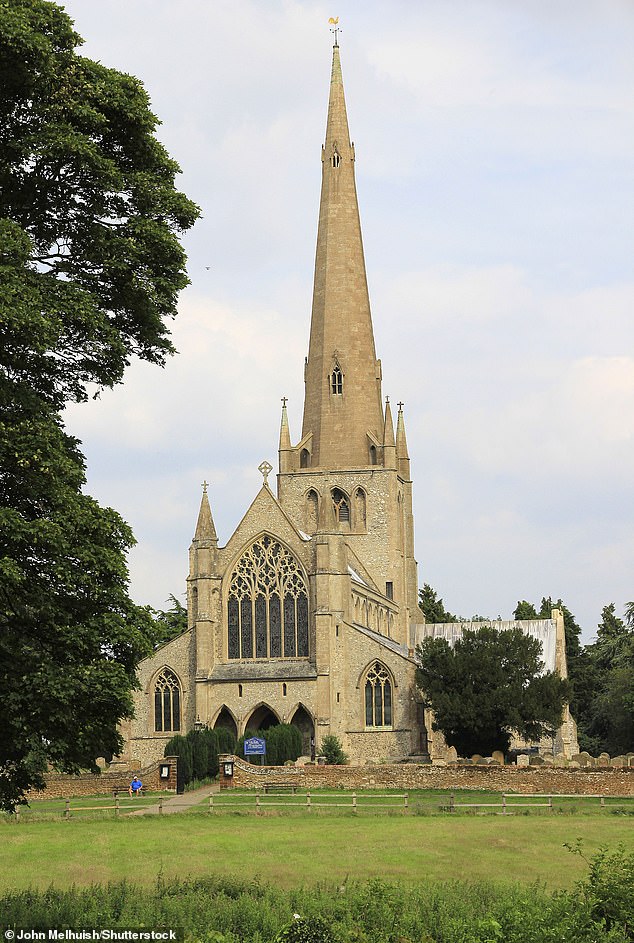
<point>574,764</point>
<point>452,755</point>
<point>439,761</point>
<point>476,759</point>
<point>603,759</point>
<point>498,757</point>
<point>536,760</point>
<point>583,759</point>
<point>523,760</point>
<point>619,761</point>
<point>561,761</point>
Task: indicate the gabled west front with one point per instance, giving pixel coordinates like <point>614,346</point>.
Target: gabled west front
<point>309,615</point>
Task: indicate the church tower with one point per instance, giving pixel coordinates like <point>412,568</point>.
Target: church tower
<point>349,475</point>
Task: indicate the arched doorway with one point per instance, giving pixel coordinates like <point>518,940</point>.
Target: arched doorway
<point>304,723</point>
<point>261,719</point>
<point>225,720</point>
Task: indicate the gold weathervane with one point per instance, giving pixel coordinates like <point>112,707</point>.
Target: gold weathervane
<point>335,22</point>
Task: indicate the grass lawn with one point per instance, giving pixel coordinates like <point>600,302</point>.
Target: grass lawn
<point>291,851</point>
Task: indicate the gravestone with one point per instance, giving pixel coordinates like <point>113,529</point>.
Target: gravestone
<point>523,760</point>
<point>498,757</point>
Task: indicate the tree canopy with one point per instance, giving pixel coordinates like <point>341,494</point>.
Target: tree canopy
<point>488,686</point>
<point>90,269</point>
<point>89,215</point>
<point>432,607</point>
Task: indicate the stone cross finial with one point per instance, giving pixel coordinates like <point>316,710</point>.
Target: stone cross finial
<point>265,468</point>
<point>284,400</point>
<point>400,406</point>
<point>205,486</point>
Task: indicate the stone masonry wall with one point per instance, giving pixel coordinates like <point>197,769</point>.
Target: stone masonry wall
<point>548,780</point>
<point>63,786</point>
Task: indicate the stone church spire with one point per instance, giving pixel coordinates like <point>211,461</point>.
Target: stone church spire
<point>205,534</point>
<point>342,406</point>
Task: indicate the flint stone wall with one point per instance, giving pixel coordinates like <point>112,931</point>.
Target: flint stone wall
<point>63,786</point>
<point>538,779</point>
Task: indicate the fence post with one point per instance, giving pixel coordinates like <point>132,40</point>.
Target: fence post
<point>503,803</point>
<point>67,809</point>
<point>17,814</point>
<point>308,805</point>
<point>603,802</point>
<point>451,803</point>
<point>160,812</point>
<point>211,803</point>
<point>257,803</point>
<point>116,806</point>
<point>550,803</point>
<point>406,807</point>
<point>354,802</point>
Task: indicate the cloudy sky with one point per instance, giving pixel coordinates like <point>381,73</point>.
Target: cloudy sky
<point>495,155</point>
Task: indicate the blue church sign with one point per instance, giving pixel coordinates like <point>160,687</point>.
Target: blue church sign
<point>254,746</point>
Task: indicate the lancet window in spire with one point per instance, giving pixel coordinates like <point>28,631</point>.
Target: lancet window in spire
<point>335,160</point>
<point>336,380</point>
<point>268,604</point>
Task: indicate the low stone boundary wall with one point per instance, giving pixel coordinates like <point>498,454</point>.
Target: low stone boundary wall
<point>64,786</point>
<point>538,779</point>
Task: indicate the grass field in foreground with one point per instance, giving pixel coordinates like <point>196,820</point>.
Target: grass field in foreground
<point>288,852</point>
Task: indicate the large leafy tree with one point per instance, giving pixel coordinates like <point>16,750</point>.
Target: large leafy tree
<point>488,686</point>
<point>432,607</point>
<point>90,269</point>
<point>607,725</point>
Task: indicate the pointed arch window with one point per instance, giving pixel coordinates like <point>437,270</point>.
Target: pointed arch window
<point>341,505</point>
<point>336,381</point>
<point>267,613</point>
<point>335,160</point>
<point>378,697</point>
<point>167,702</point>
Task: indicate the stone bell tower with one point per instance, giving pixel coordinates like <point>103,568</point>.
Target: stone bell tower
<point>349,476</point>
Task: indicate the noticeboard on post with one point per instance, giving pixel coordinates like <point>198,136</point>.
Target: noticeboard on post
<point>255,746</point>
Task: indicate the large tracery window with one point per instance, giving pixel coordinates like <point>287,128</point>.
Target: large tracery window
<point>268,604</point>
<point>378,697</point>
<point>167,702</point>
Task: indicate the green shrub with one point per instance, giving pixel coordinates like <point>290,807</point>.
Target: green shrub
<point>304,930</point>
<point>181,747</point>
<point>332,749</point>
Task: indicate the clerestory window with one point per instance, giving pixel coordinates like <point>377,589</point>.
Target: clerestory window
<point>167,702</point>
<point>267,604</point>
<point>378,697</point>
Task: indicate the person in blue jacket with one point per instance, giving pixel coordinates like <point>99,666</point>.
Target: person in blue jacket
<point>136,786</point>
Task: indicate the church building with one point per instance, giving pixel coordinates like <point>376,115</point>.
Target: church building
<point>309,614</point>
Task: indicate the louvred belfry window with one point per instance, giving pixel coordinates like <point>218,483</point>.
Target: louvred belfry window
<point>267,610</point>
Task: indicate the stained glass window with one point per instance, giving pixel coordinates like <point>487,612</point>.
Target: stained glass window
<point>267,613</point>
<point>167,702</point>
<point>378,697</point>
